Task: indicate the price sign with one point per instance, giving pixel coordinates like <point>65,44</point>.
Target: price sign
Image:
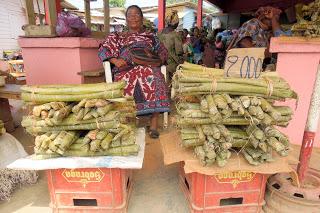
<point>244,62</point>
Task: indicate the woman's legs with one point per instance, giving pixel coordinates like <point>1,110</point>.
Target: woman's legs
<point>154,121</point>
<point>154,125</point>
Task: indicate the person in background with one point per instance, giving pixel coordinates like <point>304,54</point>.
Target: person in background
<point>144,82</point>
<point>173,42</point>
<point>196,45</point>
<point>258,31</point>
<point>220,53</point>
<point>209,53</point>
<point>187,47</point>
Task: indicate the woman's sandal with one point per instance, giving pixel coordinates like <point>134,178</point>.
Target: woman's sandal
<point>154,133</point>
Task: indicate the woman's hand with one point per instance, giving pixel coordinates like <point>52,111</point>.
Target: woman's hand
<point>118,62</point>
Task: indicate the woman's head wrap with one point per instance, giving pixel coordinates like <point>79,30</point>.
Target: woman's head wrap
<point>263,11</point>
<point>172,18</point>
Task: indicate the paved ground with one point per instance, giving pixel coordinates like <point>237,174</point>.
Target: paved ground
<point>155,189</point>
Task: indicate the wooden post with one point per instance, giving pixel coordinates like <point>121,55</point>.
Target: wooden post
<point>310,130</point>
<point>51,12</point>
<point>161,13</point>
<point>106,16</point>
<point>30,12</point>
<point>199,13</point>
<point>87,13</point>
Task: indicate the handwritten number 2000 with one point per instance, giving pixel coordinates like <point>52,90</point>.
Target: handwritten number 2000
<point>250,66</point>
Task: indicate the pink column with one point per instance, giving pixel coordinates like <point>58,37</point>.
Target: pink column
<point>161,14</point>
<point>199,13</point>
<point>298,61</point>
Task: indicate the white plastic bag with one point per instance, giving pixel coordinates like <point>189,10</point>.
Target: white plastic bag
<point>10,150</point>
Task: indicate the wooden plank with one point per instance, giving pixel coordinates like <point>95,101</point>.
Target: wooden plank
<point>87,13</point>
<point>10,91</point>
<point>286,39</point>
<point>51,12</point>
<point>39,30</point>
<point>98,34</point>
<point>30,12</point>
<point>106,16</point>
<point>92,73</point>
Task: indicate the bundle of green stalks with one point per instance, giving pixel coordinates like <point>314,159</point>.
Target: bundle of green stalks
<point>219,116</point>
<point>215,143</point>
<point>2,129</point>
<point>197,80</point>
<point>72,93</point>
<point>119,141</point>
<point>232,110</point>
<point>80,120</point>
<point>308,20</point>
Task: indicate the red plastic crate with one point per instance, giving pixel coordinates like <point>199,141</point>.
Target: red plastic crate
<point>89,190</point>
<point>228,192</point>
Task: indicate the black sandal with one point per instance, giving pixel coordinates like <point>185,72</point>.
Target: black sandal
<point>154,133</point>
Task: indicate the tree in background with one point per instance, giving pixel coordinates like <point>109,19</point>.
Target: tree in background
<point>176,1</point>
<point>117,3</point>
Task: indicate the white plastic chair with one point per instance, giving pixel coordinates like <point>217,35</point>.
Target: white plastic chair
<point>108,74</point>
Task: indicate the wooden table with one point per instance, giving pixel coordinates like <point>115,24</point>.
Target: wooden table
<point>9,91</point>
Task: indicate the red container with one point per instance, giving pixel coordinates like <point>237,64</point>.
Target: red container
<point>228,192</point>
<point>89,190</point>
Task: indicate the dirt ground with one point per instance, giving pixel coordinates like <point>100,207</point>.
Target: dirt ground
<point>155,188</point>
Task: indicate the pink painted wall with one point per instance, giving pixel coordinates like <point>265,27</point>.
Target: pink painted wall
<point>58,60</point>
<point>298,61</point>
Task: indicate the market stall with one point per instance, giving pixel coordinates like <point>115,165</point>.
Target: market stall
<point>233,128</point>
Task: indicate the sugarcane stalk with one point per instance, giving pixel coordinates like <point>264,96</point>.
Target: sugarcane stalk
<point>100,125</point>
<point>192,143</point>
<point>72,89</point>
<point>94,145</point>
<point>105,143</point>
<point>249,158</point>
<point>41,98</point>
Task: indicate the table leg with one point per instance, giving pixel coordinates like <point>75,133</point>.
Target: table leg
<point>5,114</point>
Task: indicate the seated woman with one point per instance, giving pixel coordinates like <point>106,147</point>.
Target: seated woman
<point>144,82</point>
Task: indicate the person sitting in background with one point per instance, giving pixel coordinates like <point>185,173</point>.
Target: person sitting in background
<point>173,42</point>
<point>219,53</point>
<point>145,81</point>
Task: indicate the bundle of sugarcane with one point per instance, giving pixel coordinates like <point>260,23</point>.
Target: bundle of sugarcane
<point>55,142</point>
<point>218,115</point>
<point>232,110</point>
<point>196,80</point>
<point>213,143</point>
<point>2,129</point>
<point>72,93</point>
<point>308,20</point>
<point>118,141</point>
<point>89,117</point>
